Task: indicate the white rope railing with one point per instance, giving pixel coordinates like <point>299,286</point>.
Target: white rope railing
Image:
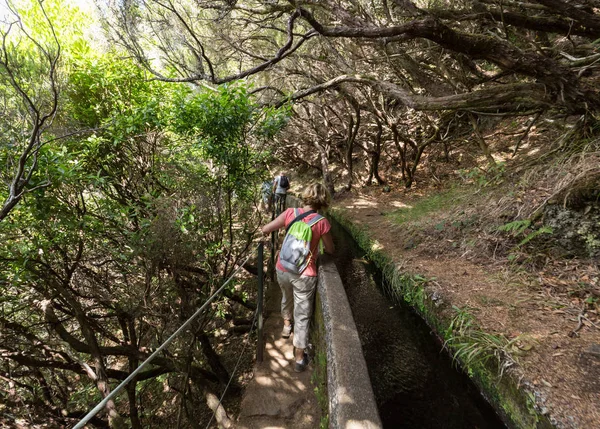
<point>187,323</point>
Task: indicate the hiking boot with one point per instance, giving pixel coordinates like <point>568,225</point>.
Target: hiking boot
<point>287,330</point>
<point>301,366</point>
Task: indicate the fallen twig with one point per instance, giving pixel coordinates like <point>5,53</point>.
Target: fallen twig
<point>590,322</point>
<point>526,133</point>
<point>580,318</point>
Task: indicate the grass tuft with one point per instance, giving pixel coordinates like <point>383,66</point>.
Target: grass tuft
<point>419,209</point>
<point>472,347</point>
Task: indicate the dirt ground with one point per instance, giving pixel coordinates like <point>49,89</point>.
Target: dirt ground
<point>557,329</point>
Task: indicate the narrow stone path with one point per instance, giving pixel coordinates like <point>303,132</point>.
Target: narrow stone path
<point>277,397</point>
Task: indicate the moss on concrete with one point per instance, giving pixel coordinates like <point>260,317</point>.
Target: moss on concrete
<point>516,406</point>
<point>319,376</point>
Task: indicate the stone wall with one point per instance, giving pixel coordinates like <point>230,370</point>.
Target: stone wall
<point>351,400</point>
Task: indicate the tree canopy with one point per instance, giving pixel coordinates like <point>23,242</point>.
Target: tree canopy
<point>360,66</point>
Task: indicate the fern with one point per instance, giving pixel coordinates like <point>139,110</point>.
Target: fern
<point>516,227</point>
<point>531,236</point>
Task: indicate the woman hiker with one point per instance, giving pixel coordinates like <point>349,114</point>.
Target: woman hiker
<point>298,290</point>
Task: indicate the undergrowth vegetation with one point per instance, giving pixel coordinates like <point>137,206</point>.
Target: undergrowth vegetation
<point>141,200</point>
<point>471,346</point>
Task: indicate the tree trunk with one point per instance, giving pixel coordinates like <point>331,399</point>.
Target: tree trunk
<point>416,161</point>
<point>221,416</point>
<point>401,151</point>
<point>352,132</point>
<point>212,358</point>
<point>98,375</point>
<point>133,410</point>
<point>376,155</point>
<point>557,78</point>
<point>349,150</point>
<point>130,336</point>
<point>327,180</point>
<point>482,144</point>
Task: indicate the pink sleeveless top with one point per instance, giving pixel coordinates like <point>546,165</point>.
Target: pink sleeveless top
<point>319,229</point>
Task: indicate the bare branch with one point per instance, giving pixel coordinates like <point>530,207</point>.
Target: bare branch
<point>500,52</point>
<point>518,96</point>
<point>130,41</point>
<point>40,120</point>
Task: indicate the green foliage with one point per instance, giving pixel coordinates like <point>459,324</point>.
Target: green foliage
<point>519,229</point>
<point>39,41</point>
<point>273,120</point>
<point>218,122</point>
<point>151,205</point>
<point>103,92</point>
<point>516,227</point>
<point>537,232</point>
<point>409,288</point>
<point>213,117</point>
<point>473,347</point>
<point>222,123</point>
<point>482,178</point>
<point>419,209</point>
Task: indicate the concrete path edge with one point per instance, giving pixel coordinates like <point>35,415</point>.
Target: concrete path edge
<point>351,400</point>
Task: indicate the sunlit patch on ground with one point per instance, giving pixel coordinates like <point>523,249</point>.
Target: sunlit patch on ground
<point>400,205</point>
<point>362,202</point>
<point>376,245</point>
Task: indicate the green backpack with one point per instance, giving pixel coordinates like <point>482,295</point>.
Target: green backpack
<point>295,254</point>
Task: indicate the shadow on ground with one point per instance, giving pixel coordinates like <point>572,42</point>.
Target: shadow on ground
<point>277,397</point>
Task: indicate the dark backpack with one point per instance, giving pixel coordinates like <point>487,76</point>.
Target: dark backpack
<point>284,182</point>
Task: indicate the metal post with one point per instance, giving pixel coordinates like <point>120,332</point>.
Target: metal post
<point>259,305</point>
<point>272,264</point>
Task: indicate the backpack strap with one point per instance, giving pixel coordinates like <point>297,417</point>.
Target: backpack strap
<point>299,217</point>
<point>314,220</point>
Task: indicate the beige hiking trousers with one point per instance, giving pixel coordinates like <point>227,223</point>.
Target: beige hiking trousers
<point>297,303</point>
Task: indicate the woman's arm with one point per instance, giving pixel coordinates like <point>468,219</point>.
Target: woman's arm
<point>328,243</point>
<point>274,225</point>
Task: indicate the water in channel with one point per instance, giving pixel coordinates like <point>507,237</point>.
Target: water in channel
<point>414,381</point>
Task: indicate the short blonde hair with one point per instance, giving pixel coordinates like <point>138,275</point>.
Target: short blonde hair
<point>316,196</point>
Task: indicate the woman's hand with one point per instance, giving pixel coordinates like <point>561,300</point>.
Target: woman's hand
<point>328,243</point>
<point>274,225</point>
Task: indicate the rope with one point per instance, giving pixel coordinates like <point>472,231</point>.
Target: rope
<point>131,376</point>
<point>234,369</point>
